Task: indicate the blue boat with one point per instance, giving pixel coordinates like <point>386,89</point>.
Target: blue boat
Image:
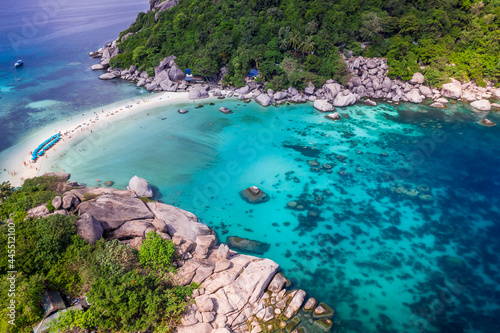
<point>19,63</point>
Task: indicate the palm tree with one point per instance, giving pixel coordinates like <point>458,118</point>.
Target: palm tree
<point>308,45</point>
<point>294,40</point>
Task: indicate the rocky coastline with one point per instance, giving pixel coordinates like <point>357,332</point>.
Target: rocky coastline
<point>237,292</point>
<point>368,82</point>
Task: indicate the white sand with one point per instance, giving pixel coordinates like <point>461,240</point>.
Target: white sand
<point>16,160</point>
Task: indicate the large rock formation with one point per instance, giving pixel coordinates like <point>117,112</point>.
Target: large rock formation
<point>263,99</point>
<point>140,186</point>
<point>198,92</point>
<point>344,98</point>
<point>114,210</point>
<point>179,222</point>
<point>89,228</point>
<point>323,105</point>
<point>452,90</point>
<point>481,105</point>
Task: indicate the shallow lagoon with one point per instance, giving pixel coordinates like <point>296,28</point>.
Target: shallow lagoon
<point>400,221</point>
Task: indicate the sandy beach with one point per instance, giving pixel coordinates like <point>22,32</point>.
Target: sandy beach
<point>16,164</point>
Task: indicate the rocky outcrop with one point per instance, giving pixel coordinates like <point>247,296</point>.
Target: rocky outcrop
<point>179,222</point>
<point>114,210</point>
<point>89,228</point>
<point>140,186</point>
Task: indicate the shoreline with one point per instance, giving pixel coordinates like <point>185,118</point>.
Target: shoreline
<point>16,160</point>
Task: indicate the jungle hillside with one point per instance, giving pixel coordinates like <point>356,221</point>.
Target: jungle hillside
<point>292,42</point>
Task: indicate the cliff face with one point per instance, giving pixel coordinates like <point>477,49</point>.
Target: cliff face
<point>238,293</point>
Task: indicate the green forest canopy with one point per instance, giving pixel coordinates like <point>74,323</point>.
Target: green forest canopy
<point>243,34</point>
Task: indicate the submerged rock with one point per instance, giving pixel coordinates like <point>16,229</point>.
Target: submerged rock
<point>333,116</point>
<point>370,102</point>
<point>247,245</point>
<point>487,123</point>
<point>225,110</point>
<point>254,195</point>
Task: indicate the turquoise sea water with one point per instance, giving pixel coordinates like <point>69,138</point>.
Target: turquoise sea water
<point>400,236</point>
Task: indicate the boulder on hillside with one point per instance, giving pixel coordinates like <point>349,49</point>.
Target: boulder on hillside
<point>89,228</point>
<point>481,105</point>
<point>331,90</point>
<point>344,98</point>
<point>64,176</point>
<point>198,92</point>
<point>280,95</point>
<point>175,74</point>
<point>309,89</point>
<point>323,105</point>
<point>179,222</point>
<point>414,96</point>
<point>426,91</point>
<point>243,90</point>
<point>140,186</point>
<point>111,211</point>
<point>263,99</point>
<point>417,78</point>
<point>132,229</point>
<point>255,278</point>
<point>452,90</point>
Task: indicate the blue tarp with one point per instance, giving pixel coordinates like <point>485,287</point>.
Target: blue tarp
<point>253,73</point>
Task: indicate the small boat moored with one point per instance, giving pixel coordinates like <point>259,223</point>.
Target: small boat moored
<point>19,63</point>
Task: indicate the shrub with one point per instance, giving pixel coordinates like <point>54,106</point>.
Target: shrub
<point>156,253</point>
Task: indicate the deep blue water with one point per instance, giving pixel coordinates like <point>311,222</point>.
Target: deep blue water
<point>367,241</point>
<point>53,38</point>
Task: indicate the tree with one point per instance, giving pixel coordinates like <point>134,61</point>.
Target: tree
<point>294,40</point>
<point>308,45</point>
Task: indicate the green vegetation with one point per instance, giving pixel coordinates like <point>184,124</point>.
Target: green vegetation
<point>123,285</point>
<point>459,38</point>
<point>156,254</point>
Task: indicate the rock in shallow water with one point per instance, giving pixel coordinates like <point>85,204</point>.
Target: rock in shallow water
<point>247,245</point>
<point>487,123</point>
<point>254,195</point>
<point>140,186</point>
